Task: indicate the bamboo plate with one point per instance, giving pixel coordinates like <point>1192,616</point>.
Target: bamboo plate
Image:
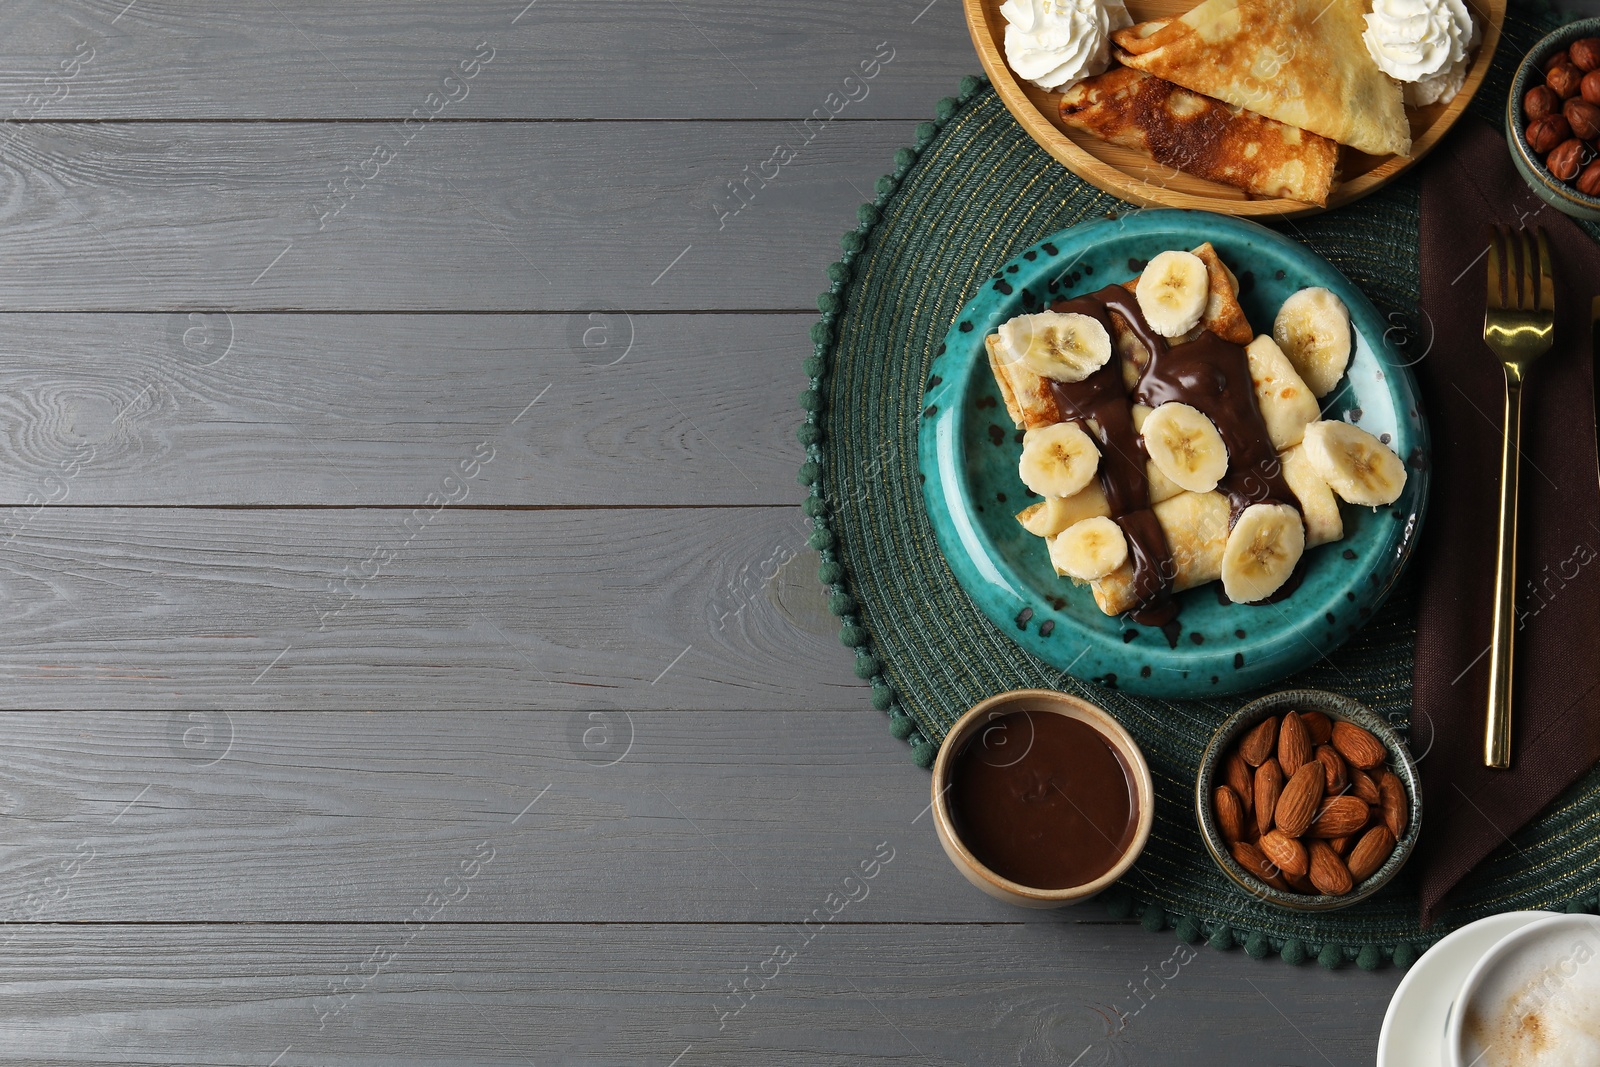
<point>1134,176</point>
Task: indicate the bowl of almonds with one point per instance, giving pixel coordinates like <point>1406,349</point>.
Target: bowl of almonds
<point>1309,800</point>
<point>1553,119</point>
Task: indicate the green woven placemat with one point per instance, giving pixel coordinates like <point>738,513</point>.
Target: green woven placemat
<point>973,190</point>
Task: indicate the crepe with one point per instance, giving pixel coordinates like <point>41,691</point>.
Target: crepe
<point>1028,397</point>
<point>1301,62</point>
<point>1201,136</point>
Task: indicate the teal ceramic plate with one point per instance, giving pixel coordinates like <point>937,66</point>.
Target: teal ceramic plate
<point>968,452</point>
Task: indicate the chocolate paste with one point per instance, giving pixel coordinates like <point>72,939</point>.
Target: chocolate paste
<point>1043,799</point>
<point>1209,374</point>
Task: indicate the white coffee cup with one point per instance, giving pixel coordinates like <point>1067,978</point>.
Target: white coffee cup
<point>1533,1000</point>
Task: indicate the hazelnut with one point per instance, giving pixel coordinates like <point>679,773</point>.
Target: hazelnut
<point>1566,158</point>
<point>1585,54</point>
<point>1560,57</point>
<point>1564,79</point>
<point>1542,100</point>
<point>1583,117</point>
<point>1590,87</point>
<point>1544,135</point>
<point>1589,180</point>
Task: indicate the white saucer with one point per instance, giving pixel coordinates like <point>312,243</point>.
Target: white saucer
<point>1414,1026</point>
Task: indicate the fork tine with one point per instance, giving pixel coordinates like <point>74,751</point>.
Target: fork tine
<point>1497,281</point>
<point>1547,275</point>
<point>1527,275</point>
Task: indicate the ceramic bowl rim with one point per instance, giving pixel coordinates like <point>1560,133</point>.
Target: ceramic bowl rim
<point>1058,703</point>
<point>1335,706</point>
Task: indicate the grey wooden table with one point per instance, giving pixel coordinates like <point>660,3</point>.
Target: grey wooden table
<point>412,655</point>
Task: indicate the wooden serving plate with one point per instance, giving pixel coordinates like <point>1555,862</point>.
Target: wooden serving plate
<point>1134,176</point>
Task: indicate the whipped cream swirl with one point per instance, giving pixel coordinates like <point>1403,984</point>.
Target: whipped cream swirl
<point>1057,43</point>
<point>1424,44</point>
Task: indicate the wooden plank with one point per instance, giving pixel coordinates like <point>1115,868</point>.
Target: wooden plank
<point>369,409</point>
<point>679,59</point>
<point>417,608</point>
<point>461,217</point>
<point>596,813</point>
<point>607,994</point>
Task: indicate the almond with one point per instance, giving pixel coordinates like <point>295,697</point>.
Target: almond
<point>1256,747</point>
<point>1341,845</point>
<point>1294,744</point>
<point>1230,813</point>
<point>1286,852</point>
<point>1300,800</point>
<point>1236,776</point>
<point>1328,872</point>
<point>1362,785</point>
<point>1358,746</point>
<point>1396,812</point>
<point>1269,787</point>
<point>1318,725</point>
<point>1340,816</point>
<point>1335,773</point>
<point>1256,864</point>
<point>1300,883</point>
<point>1370,852</point>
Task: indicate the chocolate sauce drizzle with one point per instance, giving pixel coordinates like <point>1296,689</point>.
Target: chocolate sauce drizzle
<point>1209,374</point>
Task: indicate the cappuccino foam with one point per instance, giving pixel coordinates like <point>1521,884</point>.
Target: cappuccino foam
<point>1540,1007</point>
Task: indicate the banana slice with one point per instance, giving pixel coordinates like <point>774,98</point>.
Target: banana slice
<point>1058,460</point>
<point>1173,291</point>
<point>1318,508</point>
<point>1262,550</point>
<point>1065,346</point>
<point>1053,514</point>
<point>1313,329</point>
<point>1355,464</point>
<point>1185,446</point>
<point>1089,549</point>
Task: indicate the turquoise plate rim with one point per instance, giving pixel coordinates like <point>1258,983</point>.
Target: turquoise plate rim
<point>1319,617</point>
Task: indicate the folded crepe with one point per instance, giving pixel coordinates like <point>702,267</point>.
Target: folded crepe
<point>1201,136</point>
<point>1028,397</point>
<point>1301,62</point>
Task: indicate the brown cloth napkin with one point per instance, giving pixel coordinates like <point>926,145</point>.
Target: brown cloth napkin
<point>1470,810</point>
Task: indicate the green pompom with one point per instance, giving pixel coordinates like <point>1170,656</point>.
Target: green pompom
<point>968,86</point>
<point>1221,937</point>
<point>884,185</point>
<point>808,434</point>
<point>867,214</point>
<point>1294,951</point>
<point>903,158</point>
<point>814,506</point>
<point>1154,919</point>
<point>1405,954</point>
<point>809,472</point>
<point>867,665</point>
<point>828,303</point>
<point>811,400</point>
<point>820,333</point>
<point>1119,902</point>
<point>852,636</point>
<point>841,603</point>
<point>945,108</point>
<point>902,726</point>
<point>838,272</point>
<point>830,573</point>
<point>821,537</point>
<point>852,241</point>
<point>925,133</point>
<point>1188,930</point>
<point>814,366</point>
<point>923,753</point>
<point>882,696</point>
<point>1370,958</point>
<point>1256,946</point>
<point>1331,957</point>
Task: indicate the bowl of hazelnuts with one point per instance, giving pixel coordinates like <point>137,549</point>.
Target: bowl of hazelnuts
<point>1553,119</point>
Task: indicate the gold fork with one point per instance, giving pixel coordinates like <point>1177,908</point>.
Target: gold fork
<point>1519,326</point>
